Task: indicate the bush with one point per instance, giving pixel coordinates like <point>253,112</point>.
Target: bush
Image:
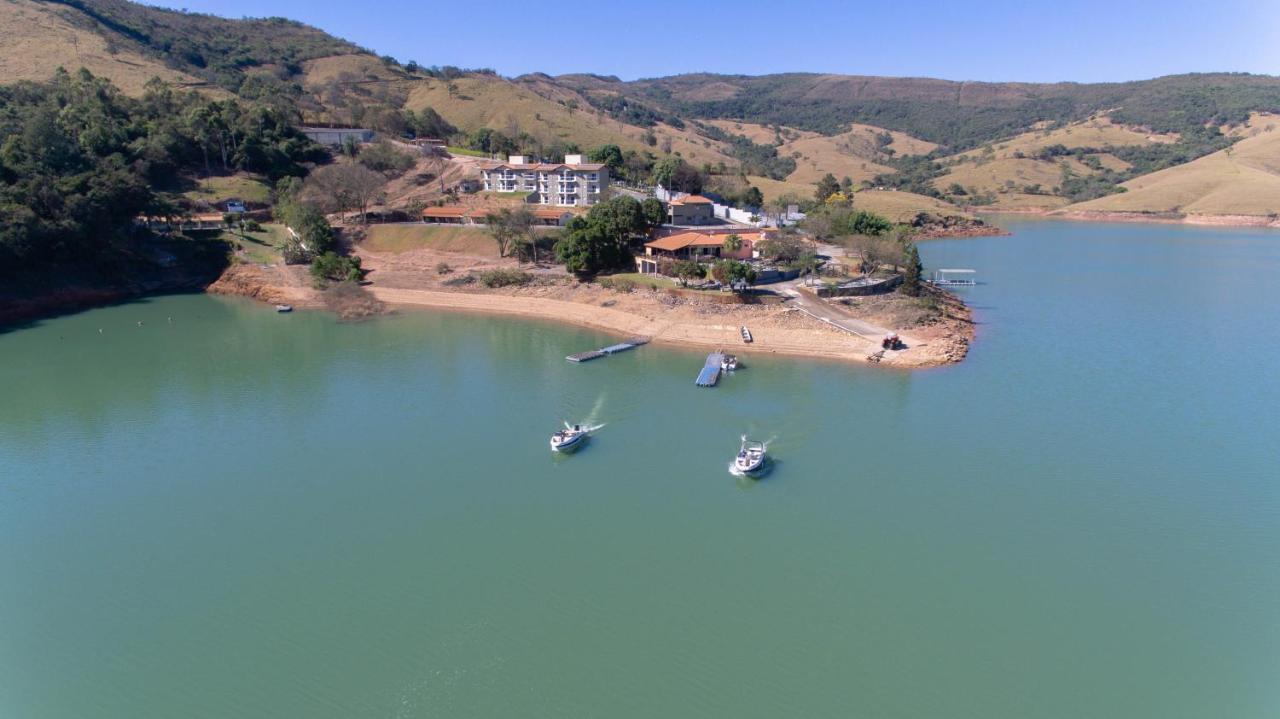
<point>334,267</point>
<point>624,285</point>
<point>443,268</point>
<point>460,280</point>
<point>504,278</point>
<point>252,226</point>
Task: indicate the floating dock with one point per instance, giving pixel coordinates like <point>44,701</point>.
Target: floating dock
<point>630,344</point>
<point>948,278</point>
<point>710,373</point>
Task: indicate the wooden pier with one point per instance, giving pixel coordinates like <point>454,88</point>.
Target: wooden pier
<point>630,344</point>
<point>710,373</point>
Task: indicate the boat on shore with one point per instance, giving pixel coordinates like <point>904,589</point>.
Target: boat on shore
<point>746,335</point>
<point>570,438</point>
<point>751,458</point>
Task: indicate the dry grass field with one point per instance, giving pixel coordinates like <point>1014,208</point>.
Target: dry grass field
<point>1242,180</point>
<point>991,169</point>
<point>486,101</point>
<point>902,206</point>
<point>473,241</point>
<point>36,38</point>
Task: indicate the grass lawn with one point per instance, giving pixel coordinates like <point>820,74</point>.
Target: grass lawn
<point>465,151</point>
<point>446,238</point>
<point>658,282</point>
<point>261,248</point>
<point>231,187</point>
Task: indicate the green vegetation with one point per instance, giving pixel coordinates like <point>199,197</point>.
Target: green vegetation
<point>674,173</point>
<point>332,267</point>
<point>911,277</point>
<point>466,151</point>
<point>505,278</point>
<point>754,158</point>
<point>728,272</point>
<point>219,50</point>
<point>80,162</point>
<point>636,279</point>
<point>386,158</point>
<point>510,228</point>
<point>601,240</point>
<point>929,109</point>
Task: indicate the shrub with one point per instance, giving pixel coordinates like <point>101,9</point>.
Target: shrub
<point>443,268</point>
<point>504,278</point>
<point>252,226</point>
<point>335,267</point>
<point>461,280</point>
<point>624,285</point>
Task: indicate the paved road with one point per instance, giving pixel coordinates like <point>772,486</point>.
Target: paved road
<point>832,316</point>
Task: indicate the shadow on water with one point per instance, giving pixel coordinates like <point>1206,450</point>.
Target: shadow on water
<point>59,313</point>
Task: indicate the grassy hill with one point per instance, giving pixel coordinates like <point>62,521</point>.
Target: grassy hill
<point>1009,145</point>
<point>36,37</point>
<point>960,115</point>
<point>1241,180</point>
<point>550,112</point>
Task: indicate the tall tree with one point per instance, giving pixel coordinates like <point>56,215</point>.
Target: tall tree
<point>510,227</point>
<point>827,187</point>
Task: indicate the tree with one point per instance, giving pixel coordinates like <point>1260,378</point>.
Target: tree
<point>600,241</point>
<point>753,197</point>
<point>621,217</point>
<point>673,173</point>
<point>730,272</point>
<point>827,187</point>
<point>331,266</point>
<point>914,269</point>
<point>386,158</point>
<point>732,243</point>
<point>784,247</point>
<point>687,270</point>
<point>655,213</point>
<point>345,186</point>
<point>610,155</point>
<point>511,227</point>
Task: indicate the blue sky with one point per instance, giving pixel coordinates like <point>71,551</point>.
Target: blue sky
<point>1085,40</point>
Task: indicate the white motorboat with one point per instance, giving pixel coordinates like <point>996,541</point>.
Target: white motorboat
<point>729,363</point>
<point>284,308</point>
<point>751,457</point>
<point>569,438</point>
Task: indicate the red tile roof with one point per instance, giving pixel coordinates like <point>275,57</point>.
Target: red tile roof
<point>542,167</point>
<point>446,212</point>
<point>681,240</point>
<point>692,200</point>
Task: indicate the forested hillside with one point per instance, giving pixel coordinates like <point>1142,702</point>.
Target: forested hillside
<point>80,161</point>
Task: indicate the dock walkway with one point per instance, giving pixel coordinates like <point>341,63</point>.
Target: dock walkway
<point>632,343</point>
<point>710,373</point>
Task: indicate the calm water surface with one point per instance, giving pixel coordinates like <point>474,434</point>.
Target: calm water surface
<point>225,512</point>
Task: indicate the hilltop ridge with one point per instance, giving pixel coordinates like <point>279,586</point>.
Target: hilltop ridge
<point>997,145</point>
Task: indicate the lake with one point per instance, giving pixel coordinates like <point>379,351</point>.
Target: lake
<point>225,512</point>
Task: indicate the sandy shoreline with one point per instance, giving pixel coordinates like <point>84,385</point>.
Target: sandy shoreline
<point>776,328</point>
<point>806,342</point>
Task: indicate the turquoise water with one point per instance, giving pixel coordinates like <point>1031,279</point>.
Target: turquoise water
<point>228,512</point>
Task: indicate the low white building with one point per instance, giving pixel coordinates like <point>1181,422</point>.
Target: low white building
<point>572,183</point>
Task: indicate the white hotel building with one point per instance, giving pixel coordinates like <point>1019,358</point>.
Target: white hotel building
<point>573,183</point>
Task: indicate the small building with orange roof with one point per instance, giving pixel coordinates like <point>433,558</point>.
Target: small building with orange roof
<point>692,210</point>
<point>699,245</point>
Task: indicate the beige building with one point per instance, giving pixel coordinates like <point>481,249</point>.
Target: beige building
<point>573,183</point>
<point>692,210</point>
